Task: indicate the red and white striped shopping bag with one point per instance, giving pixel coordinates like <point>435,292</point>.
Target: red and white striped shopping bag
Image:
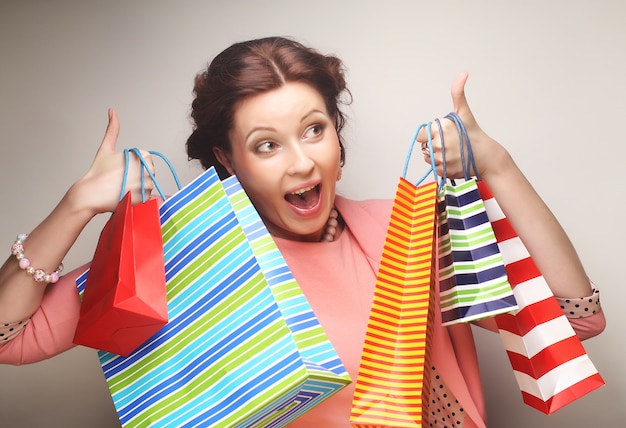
<point>550,363</point>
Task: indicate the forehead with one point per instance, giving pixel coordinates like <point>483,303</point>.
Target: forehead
<point>291,101</point>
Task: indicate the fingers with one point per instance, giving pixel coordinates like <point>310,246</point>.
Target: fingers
<point>422,135</point>
<point>111,133</point>
<point>149,166</point>
<point>148,170</point>
<point>459,101</point>
<point>147,157</point>
<point>446,138</point>
<point>449,132</point>
<point>460,105</point>
<point>148,185</point>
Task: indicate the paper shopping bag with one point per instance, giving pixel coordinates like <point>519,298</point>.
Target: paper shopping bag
<point>391,388</point>
<point>326,372</point>
<point>125,302</point>
<point>472,278</point>
<point>227,356</point>
<point>390,382</point>
<point>551,365</point>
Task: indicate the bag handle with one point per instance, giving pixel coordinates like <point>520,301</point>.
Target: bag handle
<point>432,168</point>
<point>443,156</point>
<point>144,165</point>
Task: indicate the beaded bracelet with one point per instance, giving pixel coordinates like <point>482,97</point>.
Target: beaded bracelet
<point>39,275</point>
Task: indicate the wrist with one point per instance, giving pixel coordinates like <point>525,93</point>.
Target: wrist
<point>494,162</point>
<point>81,202</point>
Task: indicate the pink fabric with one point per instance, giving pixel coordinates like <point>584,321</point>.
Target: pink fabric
<point>51,329</point>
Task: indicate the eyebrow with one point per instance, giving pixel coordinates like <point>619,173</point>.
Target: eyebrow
<point>311,113</point>
<point>270,129</point>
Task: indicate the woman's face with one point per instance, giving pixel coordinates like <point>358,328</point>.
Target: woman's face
<point>285,152</point>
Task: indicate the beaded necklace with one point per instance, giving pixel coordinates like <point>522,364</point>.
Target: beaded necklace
<point>331,226</point>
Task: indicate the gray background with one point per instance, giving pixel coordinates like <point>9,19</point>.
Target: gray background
<point>546,79</point>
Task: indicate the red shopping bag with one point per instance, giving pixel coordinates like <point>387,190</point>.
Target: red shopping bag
<point>551,365</point>
<point>124,302</point>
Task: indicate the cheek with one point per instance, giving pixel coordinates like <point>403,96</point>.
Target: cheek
<point>261,184</point>
<point>247,170</point>
<point>331,158</point>
<point>260,197</point>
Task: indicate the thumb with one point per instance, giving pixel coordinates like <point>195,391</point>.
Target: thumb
<point>459,101</point>
<point>112,132</point>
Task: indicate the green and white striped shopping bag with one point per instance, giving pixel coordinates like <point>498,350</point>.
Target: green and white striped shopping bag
<point>232,354</point>
<point>473,282</point>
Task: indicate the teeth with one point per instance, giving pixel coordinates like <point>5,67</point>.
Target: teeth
<point>301,191</point>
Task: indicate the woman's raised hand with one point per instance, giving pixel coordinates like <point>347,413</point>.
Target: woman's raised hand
<point>98,191</point>
<point>100,187</point>
<point>489,155</point>
<point>531,218</point>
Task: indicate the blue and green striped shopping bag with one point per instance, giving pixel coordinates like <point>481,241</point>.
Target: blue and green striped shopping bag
<point>235,351</point>
<point>327,374</point>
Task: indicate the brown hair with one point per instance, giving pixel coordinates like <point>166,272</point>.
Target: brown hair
<point>253,67</point>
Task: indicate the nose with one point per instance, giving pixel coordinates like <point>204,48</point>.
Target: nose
<point>301,162</point>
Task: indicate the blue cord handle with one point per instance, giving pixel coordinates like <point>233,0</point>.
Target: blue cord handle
<point>464,142</point>
<point>144,165</point>
<point>432,168</point>
<point>443,156</point>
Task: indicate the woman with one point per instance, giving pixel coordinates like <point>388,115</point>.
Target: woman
<point>268,111</point>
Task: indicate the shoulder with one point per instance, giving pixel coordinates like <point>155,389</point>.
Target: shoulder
<point>367,220</point>
<point>376,210</point>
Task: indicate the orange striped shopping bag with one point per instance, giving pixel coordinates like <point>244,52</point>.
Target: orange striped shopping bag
<point>389,385</point>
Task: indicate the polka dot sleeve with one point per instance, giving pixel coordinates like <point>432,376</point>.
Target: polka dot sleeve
<point>11,330</point>
<point>581,307</point>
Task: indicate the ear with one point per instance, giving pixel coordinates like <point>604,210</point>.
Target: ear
<point>225,159</point>
<point>339,173</point>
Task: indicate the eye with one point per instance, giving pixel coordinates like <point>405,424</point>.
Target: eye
<point>266,147</point>
<point>313,131</point>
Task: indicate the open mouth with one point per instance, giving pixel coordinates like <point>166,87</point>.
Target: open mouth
<point>304,198</point>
